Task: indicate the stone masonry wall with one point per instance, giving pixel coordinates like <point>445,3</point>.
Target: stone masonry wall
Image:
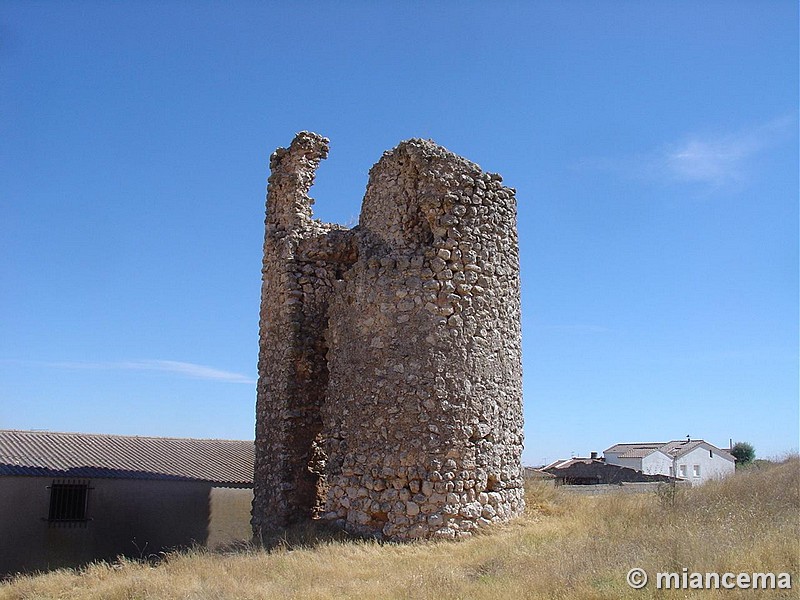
<point>389,394</point>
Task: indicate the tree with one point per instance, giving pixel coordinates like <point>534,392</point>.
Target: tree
<point>743,452</point>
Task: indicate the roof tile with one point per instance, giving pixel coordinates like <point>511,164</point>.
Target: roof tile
<point>57,454</point>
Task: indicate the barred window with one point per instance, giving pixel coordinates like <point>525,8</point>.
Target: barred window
<point>68,501</point>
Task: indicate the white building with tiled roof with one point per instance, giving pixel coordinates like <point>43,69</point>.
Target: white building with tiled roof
<point>696,461</point>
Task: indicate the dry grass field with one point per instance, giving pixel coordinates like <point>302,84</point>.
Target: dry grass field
<point>565,547</point>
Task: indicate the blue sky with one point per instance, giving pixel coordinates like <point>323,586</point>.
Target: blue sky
<point>653,146</point>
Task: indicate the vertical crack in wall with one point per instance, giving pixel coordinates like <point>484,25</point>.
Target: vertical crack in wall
<point>389,395</point>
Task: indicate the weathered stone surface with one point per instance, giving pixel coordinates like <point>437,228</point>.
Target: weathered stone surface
<point>389,393</point>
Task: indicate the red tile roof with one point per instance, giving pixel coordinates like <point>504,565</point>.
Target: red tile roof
<point>55,454</point>
<point>673,449</point>
<point>635,450</point>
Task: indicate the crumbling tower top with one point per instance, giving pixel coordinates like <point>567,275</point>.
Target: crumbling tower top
<point>293,172</point>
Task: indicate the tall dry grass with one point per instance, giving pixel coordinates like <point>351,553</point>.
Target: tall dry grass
<point>564,547</point>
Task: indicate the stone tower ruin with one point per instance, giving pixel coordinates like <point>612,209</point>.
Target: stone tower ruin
<point>390,379</point>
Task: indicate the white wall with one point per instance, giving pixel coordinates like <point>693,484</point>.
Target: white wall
<point>656,463</point>
<point>614,459</point>
<point>710,463</point>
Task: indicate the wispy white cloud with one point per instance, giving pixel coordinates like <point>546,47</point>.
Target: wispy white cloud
<point>188,369</point>
<point>721,159</point>
<point>713,160</point>
<point>707,161</point>
<point>579,329</point>
<point>169,366</point>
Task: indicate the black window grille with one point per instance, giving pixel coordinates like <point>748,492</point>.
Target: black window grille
<point>68,501</point>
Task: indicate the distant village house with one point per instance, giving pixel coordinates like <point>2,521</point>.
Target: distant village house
<point>695,461</point>
<point>688,461</point>
<point>595,471</point>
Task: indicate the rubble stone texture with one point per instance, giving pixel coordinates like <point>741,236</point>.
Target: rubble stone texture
<point>390,379</point>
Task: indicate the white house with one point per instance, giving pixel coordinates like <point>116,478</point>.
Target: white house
<point>694,460</point>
